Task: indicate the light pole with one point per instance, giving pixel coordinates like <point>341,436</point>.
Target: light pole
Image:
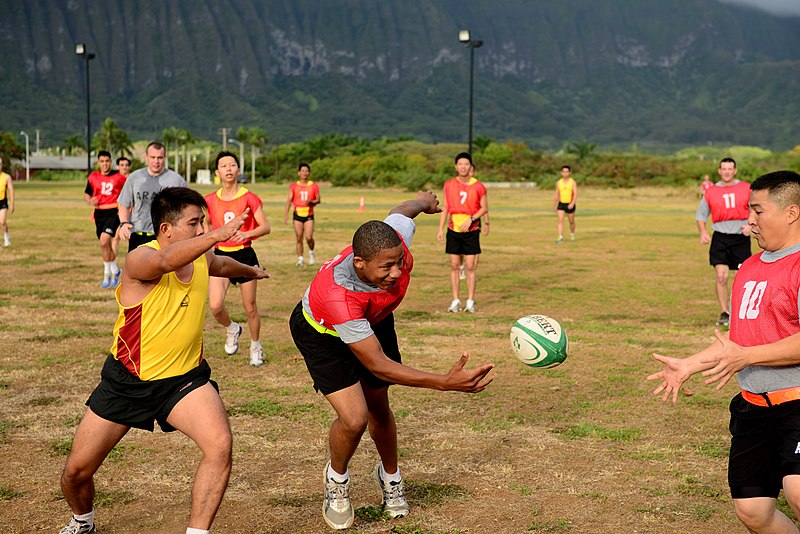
<point>241,154</point>
<point>80,49</point>
<point>465,39</point>
<point>27,156</point>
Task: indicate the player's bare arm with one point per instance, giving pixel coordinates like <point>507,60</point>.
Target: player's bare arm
<point>705,239</point>
<point>225,267</point>
<point>732,358</point>
<point>426,202</point>
<point>125,224</point>
<point>287,208</point>
<point>676,371</point>
<point>370,353</point>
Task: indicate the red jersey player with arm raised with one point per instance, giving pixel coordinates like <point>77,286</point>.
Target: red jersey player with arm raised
<point>465,202</point>
<point>225,204</point>
<point>344,328</point>
<point>763,346</point>
<point>102,190</point>
<point>303,196</point>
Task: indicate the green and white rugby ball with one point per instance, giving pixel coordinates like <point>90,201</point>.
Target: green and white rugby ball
<point>539,341</point>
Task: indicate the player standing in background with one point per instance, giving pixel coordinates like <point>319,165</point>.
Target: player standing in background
<point>6,203</point>
<point>102,190</point>
<point>763,346</point>
<point>705,184</point>
<point>465,202</point>
<point>136,225</point>
<point>156,370</point>
<point>564,202</point>
<point>344,328</point>
<point>227,203</point>
<point>303,195</point>
<point>726,203</point>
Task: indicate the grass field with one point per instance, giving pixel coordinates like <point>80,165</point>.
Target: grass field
<point>580,448</point>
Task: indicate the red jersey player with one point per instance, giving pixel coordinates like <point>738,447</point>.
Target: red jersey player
<point>465,202</point>
<point>303,196</point>
<point>224,205</point>
<point>763,346</point>
<point>102,190</point>
<point>344,328</point>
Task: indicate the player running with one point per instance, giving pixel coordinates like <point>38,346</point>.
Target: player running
<point>303,196</point>
<point>102,190</point>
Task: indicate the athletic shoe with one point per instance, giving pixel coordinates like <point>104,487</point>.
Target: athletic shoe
<point>394,500</point>
<point>6,241</point>
<point>470,307</point>
<point>559,240</point>
<point>311,259</point>
<point>257,357</point>
<point>300,262</point>
<point>115,279</point>
<point>462,272</point>
<point>77,527</point>
<point>106,281</point>
<point>455,306</point>
<point>724,319</point>
<point>337,510</point>
<point>232,340</point>
<point>572,237</point>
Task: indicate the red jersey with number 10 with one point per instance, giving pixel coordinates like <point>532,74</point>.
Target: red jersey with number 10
<point>764,300</point>
<point>332,304</point>
<point>220,212</point>
<point>728,203</point>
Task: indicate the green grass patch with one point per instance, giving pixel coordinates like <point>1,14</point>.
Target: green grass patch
<point>430,494</point>
<point>5,429</point>
<point>371,513</point>
<point>712,449</point>
<point>113,497</point>
<point>7,494</point>
<point>590,430</point>
<point>44,401</point>
<point>60,447</point>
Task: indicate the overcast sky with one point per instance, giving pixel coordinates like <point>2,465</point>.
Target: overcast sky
<point>776,7</point>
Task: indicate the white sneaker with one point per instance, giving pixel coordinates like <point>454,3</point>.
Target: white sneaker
<point>572,237</point>
<point>462,272</point>
<point>257,357</point>
<point>77,527</point>
<point>232,340</point>
<point>455,306</point>
<point>470,307</point>
<point>394,499</point>
<point>311,259</point>
<point>337,509</point>
<point>300,261</point>
<point>7,243</point>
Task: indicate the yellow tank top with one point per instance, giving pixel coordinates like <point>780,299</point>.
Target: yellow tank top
<point>4,179</point>
<point>162,336</point>
<point>565,190</point>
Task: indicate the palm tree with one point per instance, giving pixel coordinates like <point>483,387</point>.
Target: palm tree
<point>113,138</point>
<point>170,137</point>
<point>186,139</point>
<point>583,149</point>
<point>74,142</point>
<point>258,141</point>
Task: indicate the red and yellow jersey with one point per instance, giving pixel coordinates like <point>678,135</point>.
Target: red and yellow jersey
<point>301,194</point>
<point>463,200</point>
<point>728,203</point>
<point>566,190</point>
<point>105,188</point>
<point>220,212</point>
<point>4,181</point>
<point>162,336</point>
<point>332,304</point>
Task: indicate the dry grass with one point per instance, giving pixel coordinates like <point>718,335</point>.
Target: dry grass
<point>580,448</point>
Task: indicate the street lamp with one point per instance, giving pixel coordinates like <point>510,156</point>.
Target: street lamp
<point>241,154</point>
<point>27,156</point>
<point>80,50</point>
<point>465,39</point>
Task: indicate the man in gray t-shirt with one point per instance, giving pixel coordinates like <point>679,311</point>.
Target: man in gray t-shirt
<point>134,200</point>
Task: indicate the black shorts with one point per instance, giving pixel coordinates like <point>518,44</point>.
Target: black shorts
<point>246,255</point>
<point>139,238</point>
<point>123,398</point>
<point>106,222</point>
<point>329,360</point>
<point>296,217</point>
<point>4,204</point>
<point>764,447</point>
<point>467,243</point>
<point>564,206</point>
<point>729,249</point>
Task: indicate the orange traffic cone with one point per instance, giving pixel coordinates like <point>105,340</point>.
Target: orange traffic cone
<point>361,204</point>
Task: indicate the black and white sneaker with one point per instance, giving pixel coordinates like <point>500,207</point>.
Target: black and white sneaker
<point>77,527</point>
<point>724,319</point>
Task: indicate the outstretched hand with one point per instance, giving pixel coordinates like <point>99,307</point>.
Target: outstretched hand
<point>225,233</point>
<point>428,198</point>
<point>729,360</point>
<point>673,376</point>
<point>474,381</point>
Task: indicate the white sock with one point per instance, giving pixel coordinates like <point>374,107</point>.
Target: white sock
<point>255,345</point>
<point>470,302</point>
<point>85,518</point>
<point>337,476</point>
<point>299,258</point>
<point>394,477</point>
<point>190,530</point>
<point>114,268</point>
<point>107,268</point>
<point>233,327</point>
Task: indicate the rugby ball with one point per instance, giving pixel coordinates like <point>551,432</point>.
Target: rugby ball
<point>539,341</point>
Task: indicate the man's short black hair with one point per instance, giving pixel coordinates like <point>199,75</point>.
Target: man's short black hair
<point>105,153</point>
<point>782,187</point>
<point>464,155</point>
<point>225,154</point>
<point>158,145</point>
<point>306,165</point>
<point>566,167</point>
<point>168,204</point>
<point>123,158</point>
<point>372,237</point>
<point>727,160</point>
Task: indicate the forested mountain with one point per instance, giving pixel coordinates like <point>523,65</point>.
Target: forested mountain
<point>652,72</point>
